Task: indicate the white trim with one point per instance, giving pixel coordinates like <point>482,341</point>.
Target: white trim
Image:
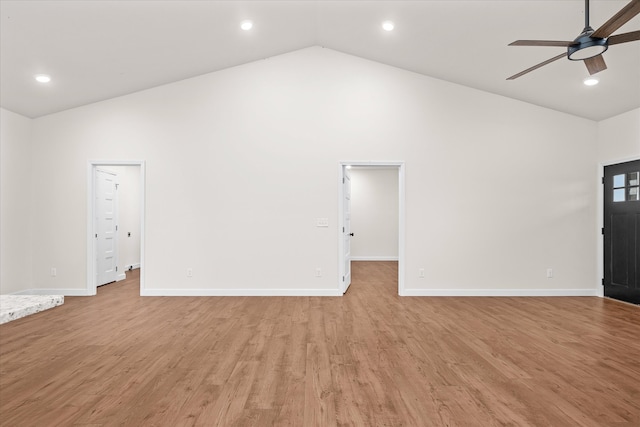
<point>65,292</point>
<point>501,292</point>
<point>91,267</point>
<point>400,165</point>
<point>600,219</point>
<point>128,267</point>
<point>374,258</point>
<point>401,229</point>
<point>600,236</point>
<point>332,292</point>
<point>241,292</point>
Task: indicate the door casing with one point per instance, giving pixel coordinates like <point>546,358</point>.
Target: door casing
<point>401,218</point>
<point>91,248</point>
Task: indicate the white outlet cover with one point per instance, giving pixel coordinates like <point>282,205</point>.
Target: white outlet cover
<point>322,222</point>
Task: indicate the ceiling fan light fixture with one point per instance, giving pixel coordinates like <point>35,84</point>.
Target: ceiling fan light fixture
<point>586,47</point>
<point>591,81</point>
<point>388,26</point>
<point>589,45</point>
<point>246,25</point>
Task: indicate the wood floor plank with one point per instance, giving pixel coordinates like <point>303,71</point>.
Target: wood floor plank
<point>319,404</point>
<point>369,358</point>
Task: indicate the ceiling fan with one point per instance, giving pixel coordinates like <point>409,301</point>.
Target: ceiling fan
<point>589,45</point>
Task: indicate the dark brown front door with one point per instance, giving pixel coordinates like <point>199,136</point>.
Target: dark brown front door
<point>622,231</point>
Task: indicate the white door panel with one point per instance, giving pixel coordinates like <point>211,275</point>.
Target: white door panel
<point>347,229</point>
<point>105,226</point>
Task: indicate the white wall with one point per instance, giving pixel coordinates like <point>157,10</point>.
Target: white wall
<point>15,202</point>
<point>374,213</point>
<point>619,138</point>
<point>241,162</point>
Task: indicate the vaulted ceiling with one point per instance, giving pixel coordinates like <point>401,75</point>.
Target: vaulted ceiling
<point>96,50</point>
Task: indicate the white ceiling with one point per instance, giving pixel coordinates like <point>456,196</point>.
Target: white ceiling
<point>96,50</point>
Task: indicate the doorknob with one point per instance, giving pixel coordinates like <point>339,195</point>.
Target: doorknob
<point>350,234</point>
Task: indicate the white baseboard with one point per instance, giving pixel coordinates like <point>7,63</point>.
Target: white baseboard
<point>123,275</point>
<point>334,292</point>
<point>500,292</point>
<point>374,258</point>
<point>240,292</point>
<point>65,292</point>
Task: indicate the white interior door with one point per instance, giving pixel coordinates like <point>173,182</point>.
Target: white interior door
<point>105,227</point>
<point>346,229</point>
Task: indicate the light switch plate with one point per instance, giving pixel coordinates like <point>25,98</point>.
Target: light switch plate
<point>322,222</point>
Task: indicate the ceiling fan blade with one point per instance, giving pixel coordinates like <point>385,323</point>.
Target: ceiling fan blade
<point>618,20</point>
<point>624,38</point>
<point>595,64</point>
<point>540,43</point>
<point>535,67</point>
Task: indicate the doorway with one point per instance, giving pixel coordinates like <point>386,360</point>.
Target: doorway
<point>345,230</point>
<point>621,231</point>
<point>115,222</point>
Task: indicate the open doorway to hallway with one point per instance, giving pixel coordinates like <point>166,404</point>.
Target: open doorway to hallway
<point>372,220</point>
<point>374,224</point>
<point>115,236</point>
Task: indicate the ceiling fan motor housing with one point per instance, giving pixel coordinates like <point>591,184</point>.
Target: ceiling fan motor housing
<point>585,46</point>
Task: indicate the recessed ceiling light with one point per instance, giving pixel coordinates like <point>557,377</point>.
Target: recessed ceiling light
<point>388,25</point>
<point>42,78</point>
<point>246,25</point>
<point>591,81</point>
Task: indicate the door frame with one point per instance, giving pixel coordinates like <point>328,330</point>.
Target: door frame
<point>600,221</point>
<point>91,192</point>
<point>401,217</point>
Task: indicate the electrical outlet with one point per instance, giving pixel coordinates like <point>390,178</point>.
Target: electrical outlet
<point>318,272</point>
<point>421,273</point>
<point>549,273</point>
<point>189,272</point>
<point>54,272</point>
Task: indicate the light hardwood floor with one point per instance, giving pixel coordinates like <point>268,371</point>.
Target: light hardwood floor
<point>369,358</point>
